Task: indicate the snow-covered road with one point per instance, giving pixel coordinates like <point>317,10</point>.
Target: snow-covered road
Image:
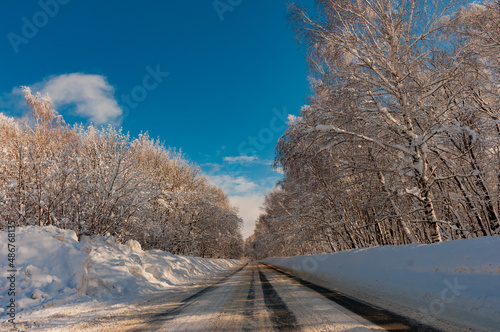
<point>99,284</point>
<point>257,297</point>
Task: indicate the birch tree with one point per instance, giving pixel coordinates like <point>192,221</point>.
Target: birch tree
<point>400,140</point>
<point>377,54</point>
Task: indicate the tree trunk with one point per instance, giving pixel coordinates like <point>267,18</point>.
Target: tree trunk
<point>406,227</point>
<point>430,218</point>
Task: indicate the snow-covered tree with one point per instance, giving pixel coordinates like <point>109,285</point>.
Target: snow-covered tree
<point>100,181</point>
<point>400,140</point>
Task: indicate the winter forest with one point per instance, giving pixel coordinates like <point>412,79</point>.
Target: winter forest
<point>102,182</point>
<point>400,141</point>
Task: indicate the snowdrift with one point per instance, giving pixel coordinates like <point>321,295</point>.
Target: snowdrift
<point>54,268</point>
<point>450,284</point>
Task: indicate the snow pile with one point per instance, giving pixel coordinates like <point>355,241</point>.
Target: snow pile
<point>53,268</point>
<point>455,282</point>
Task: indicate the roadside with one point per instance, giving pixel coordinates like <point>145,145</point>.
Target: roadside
<point>60,281</point>
<point>450,285</point>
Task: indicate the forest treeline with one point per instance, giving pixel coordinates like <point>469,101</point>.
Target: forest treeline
<point>100,181</point>
<point>400,141</point>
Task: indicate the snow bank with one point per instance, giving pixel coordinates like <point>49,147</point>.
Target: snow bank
<point>455,283</point>
<point>53,268</point>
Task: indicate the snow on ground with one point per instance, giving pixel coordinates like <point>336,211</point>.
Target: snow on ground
<point>449,285</point>
<point>56,273</point>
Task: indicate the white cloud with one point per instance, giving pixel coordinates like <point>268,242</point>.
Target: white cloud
<point>234,185</point>
<point>241,159</point>
<point>246,195</point>
<point>247,160</point>
<point>214,167</point>
<point>249,210</point>
<point>91,95</point>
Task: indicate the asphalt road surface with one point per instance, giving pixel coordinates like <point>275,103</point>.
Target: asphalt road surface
<point>258,297</point>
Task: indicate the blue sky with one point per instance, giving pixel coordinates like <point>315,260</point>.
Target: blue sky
<point>216,79</point>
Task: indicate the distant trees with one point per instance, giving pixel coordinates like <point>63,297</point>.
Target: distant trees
<point>100,181</point>
<point>400,141</point>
